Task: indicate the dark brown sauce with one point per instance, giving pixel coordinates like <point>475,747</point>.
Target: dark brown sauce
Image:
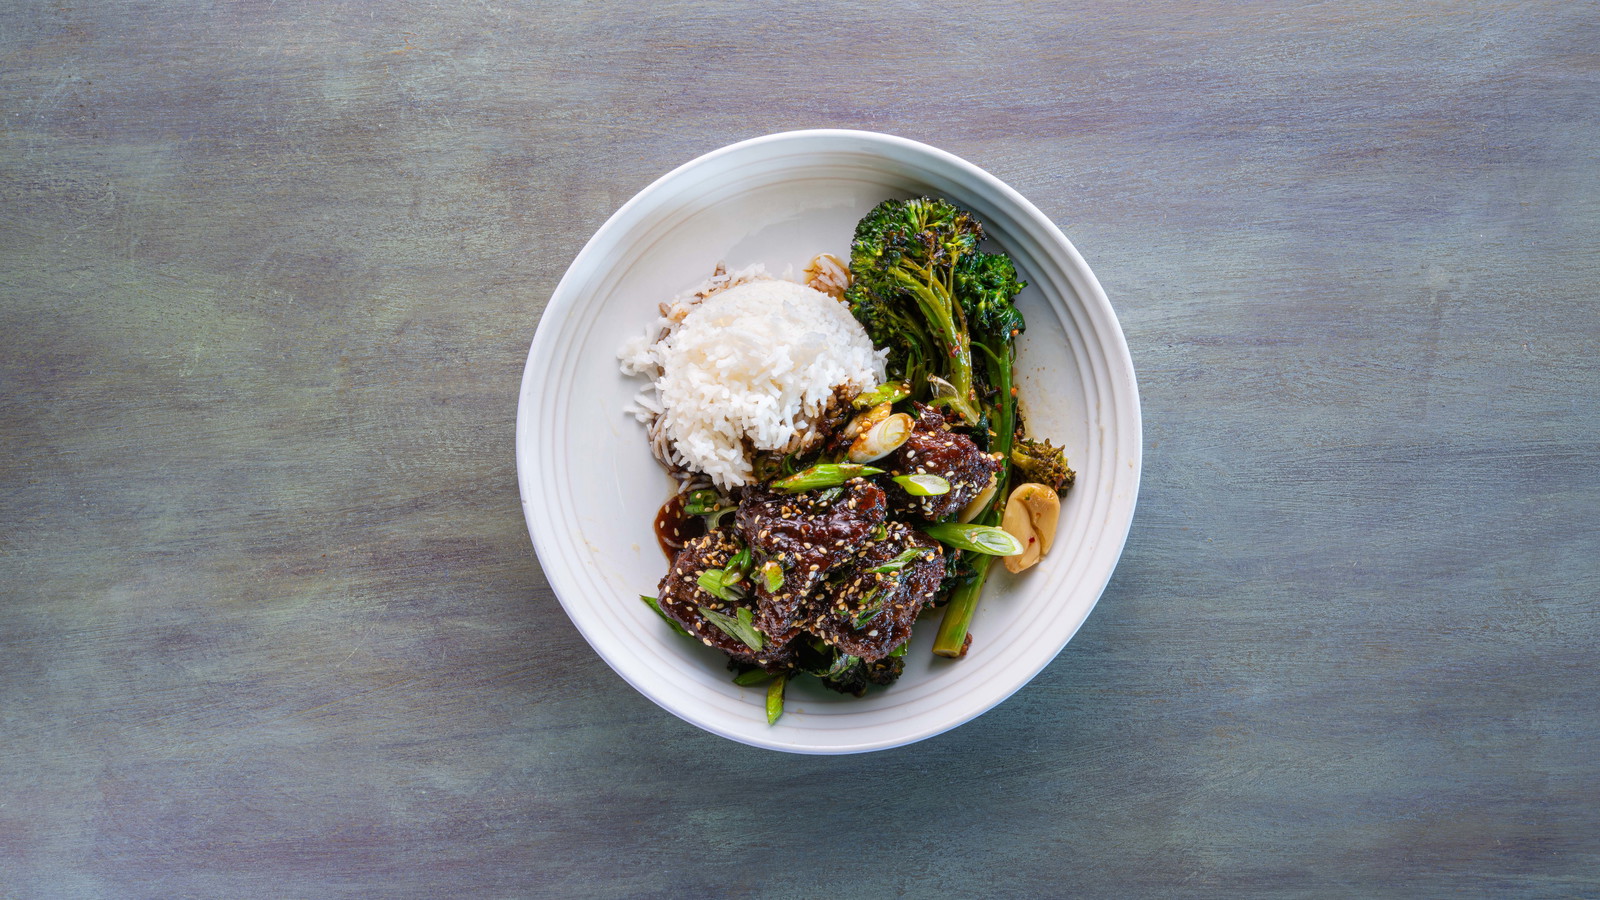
<point>674,527</point>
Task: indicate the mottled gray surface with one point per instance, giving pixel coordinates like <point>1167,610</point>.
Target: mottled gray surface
<point>270,624</point>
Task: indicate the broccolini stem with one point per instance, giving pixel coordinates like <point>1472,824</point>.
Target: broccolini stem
<point>951,640</point>
<point>942,311</point>
<point>1005,414</point>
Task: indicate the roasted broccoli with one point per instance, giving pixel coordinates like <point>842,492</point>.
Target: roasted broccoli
<point>947,315</point>
<point>855,678</point>
<point>986,286</point>
<point>846,674</point>
<point>1042,463</point>
<point>903,262</point>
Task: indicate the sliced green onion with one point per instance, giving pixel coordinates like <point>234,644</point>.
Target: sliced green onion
<point>906,558</point>
<point>944,393</point>
<point>739,629</point>
<point>843,663</point>
<point>827,497</point>
<point>738,567</point>
<point>823,475</point>
<point>703,502</point>
<point>867,615</point>
<point>716,583</point>
<point>655,604</point>
<point>900,650</point>
<point>772,576</point>
<point>892,392</point>
<point>775,699</point>
<point>977,538</point>
<point>752,677</point>
<point>869,610</point>
<point>923,485</point>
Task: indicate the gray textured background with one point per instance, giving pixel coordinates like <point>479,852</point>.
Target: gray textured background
<point>270,623</point>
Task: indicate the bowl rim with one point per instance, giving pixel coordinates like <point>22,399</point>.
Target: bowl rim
<point>1114,343</point>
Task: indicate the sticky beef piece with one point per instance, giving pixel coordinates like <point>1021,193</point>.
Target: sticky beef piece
<point>867,613</point>
<point>808,535</point>
<point>778,612</point>
<point>933,449</point>
<point>681,598</point>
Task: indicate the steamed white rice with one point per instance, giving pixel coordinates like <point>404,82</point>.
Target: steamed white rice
<point>745,361</point>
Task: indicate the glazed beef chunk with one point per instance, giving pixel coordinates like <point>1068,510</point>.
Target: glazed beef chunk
<point>934,449</point>
<point>808,535</point>
<point>867,612</point>
<point>681,598</point>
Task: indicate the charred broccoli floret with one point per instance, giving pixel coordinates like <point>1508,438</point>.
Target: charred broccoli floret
<point>987,285</point>
<point>902,265</point>
<point>1042,463</point>
<point>856,678</point>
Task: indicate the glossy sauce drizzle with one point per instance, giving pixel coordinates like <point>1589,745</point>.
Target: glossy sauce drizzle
<point>674,527</point>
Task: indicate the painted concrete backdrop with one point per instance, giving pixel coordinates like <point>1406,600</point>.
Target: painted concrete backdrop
<point>271,624</point>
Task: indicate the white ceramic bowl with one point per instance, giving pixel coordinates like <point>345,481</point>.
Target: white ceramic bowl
<point>590,487</point>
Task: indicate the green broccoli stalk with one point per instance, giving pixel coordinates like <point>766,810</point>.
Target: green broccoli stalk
<point>903,264</point>
<point>952,638</point>
<point>986,286</point>
<point>911,350</point>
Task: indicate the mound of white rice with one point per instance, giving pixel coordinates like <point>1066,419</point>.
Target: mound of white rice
<point>745,361</point>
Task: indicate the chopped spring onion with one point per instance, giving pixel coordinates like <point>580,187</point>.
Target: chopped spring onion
<point>775,699</point>
<point>977,538</point>
<point>739,628</point>
<point>923,485</point>
<point>823,475</point>
<point>655,604</point>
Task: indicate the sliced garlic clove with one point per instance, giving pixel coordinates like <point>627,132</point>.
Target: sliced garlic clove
<point>1032,514</point>
<point>1044,508</point>
<point>1017,524</point>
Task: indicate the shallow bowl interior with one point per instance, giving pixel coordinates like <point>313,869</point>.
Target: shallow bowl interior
<point>590,487</point>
